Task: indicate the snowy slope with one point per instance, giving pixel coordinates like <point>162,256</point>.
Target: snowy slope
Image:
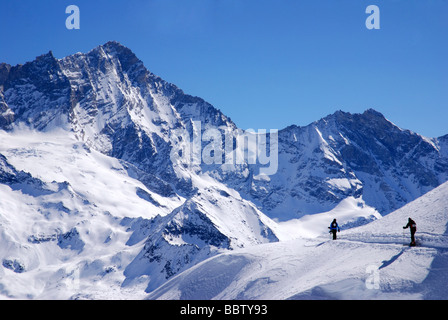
<point>205,225</point>
<point>56,242</point>
<point>319,268</point>
<point>73,223</point>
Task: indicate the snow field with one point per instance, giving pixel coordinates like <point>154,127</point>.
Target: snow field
<point>71,242</point>
<point>59,244</point>
<point>368,262</point>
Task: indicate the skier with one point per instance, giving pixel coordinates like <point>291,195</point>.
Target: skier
<point>334,227</point>
<point>411,224</point>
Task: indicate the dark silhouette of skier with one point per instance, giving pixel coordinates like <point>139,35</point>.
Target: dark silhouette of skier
<point>413,226</point>
<point>334,228</point>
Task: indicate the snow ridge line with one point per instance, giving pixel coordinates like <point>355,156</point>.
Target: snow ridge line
<point>423,239</point>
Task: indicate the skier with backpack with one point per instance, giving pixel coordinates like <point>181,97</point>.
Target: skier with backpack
<point>413,227</point>
<point>334,227</point>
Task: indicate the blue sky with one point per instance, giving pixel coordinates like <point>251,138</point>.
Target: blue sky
<point>266,64</point>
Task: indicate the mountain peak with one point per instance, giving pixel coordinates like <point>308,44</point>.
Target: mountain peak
<point>114,49</point>
<point>370,118</point>
<point>369,113</point>
<point>46,56</point>
<point>114,44</point>
<point>342,117</point>
<point>373,112</point>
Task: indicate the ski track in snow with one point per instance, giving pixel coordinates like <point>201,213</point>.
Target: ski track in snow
<point>422,240</point>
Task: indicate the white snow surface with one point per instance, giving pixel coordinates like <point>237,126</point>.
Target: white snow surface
<point>73,244</point>
<point>373,261</point>
<point>98,195</point>
<point>91,206</point>
<point>82,235</point>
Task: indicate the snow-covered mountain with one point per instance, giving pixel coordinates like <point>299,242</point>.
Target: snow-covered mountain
<point>369,262</point>
<point>112,103</point>
<point>78,223</point>
<point>359,155</point>
<point>92,198</point>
